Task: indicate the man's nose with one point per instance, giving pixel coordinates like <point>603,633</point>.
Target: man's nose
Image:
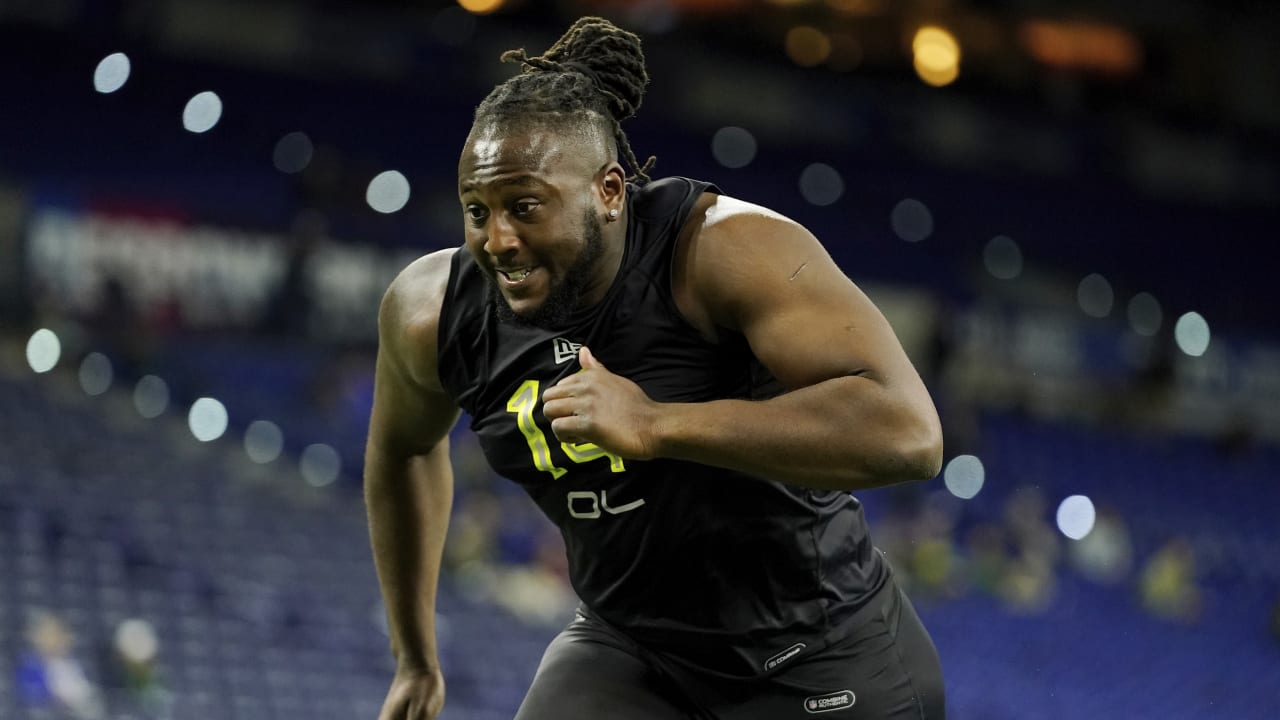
<point>500,236</point>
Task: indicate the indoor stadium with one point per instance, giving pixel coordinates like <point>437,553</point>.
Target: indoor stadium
<point>1061,208</point>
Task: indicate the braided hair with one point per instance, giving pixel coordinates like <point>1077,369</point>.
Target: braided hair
<point>594,69</point>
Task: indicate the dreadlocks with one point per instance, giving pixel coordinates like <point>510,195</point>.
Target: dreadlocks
<point>595,69</point>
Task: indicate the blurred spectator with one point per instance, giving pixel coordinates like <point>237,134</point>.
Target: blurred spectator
<point>944,376</point>
<point>895,531</point>
<point>1146,399</point>
<point>987,557</point>
<point>132,677</point>
<point>472,533</point>
<point>538,592</point>
<point>1027,587</point>
<point>933,558</point>
<point>49,676</point>
<point>1237,437</point>
<point>1028,584</point>
<point>1026,520</point>
<point>501,549</point>
<point>115,327</point>
<point>1167,584</point>
<point>1105,555</point>
<point>289,308</point>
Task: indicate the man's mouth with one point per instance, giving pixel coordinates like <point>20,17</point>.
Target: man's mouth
<point>515,275</point>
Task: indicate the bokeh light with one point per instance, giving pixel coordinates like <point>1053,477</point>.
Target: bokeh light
<point>481,7</point>
<point>1145,315</point>
<point>112,73</point>
<point>1191,333</point>
<point>1095,296</point>
<point>1002,257</point>
<point>207,419</point>
<point>1076,516</point>
<point>807,46</point>
<point>911,220</point>
<point>821,184</point>
<point>733,147</point>
<point>388,191</point>
<point>1076,45</point>
<point>263,441</point>
<point>151,396</point>
<point>320,464</point>
<point>43,350</point>
<point>202,112</point>
<point>964,476</point>
<point>936,55</point>
<point>293,152</point>
<point>95,373</point>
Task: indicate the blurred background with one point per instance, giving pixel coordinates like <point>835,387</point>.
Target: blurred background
<point>1066,209</point>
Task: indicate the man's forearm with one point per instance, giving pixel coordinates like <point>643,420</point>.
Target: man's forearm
<point>409,502</point>
<point>843,434</point>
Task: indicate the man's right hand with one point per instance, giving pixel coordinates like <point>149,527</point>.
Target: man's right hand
<point>414,695</point>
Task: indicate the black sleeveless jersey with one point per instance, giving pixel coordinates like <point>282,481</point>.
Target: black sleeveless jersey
<point>716,569</point>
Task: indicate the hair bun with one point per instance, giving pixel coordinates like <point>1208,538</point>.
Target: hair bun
<point>610,56</point>
<point>593,48</point>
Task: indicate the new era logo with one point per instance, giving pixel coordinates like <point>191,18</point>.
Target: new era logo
<point>831,701</point>
<point>565,350</point>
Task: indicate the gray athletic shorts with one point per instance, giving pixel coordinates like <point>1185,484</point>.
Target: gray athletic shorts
<point>886,669</point>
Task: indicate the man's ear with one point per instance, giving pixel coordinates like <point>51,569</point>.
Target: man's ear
<point>612,187</point>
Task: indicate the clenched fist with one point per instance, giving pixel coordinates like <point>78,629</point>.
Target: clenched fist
<point>597,406</point>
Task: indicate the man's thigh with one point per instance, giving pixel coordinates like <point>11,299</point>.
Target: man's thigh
<point>590,672</point>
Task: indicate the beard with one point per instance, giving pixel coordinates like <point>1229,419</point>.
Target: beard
<point>565,296</point>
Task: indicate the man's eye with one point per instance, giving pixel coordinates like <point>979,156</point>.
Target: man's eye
<point>476,213</point>
<point>524,207</point>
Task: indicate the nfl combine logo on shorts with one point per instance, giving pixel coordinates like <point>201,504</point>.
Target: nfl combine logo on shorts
<point>783,656</point>
<point>831,701</point>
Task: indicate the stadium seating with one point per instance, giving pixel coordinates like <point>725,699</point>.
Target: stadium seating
<point>262,592</point>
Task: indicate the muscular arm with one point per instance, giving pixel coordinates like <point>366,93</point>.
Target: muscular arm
<point>408,481</point>
<point>855,414</point>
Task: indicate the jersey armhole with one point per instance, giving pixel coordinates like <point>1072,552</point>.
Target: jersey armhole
<point>683,235</point>
<point>446,336</point>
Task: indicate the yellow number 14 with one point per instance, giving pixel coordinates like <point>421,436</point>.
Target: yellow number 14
<point>522,404</point>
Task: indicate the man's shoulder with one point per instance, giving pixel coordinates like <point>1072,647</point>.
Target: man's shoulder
<point>666,196</point>
<point>418,291</point>
<point>409,318</point>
